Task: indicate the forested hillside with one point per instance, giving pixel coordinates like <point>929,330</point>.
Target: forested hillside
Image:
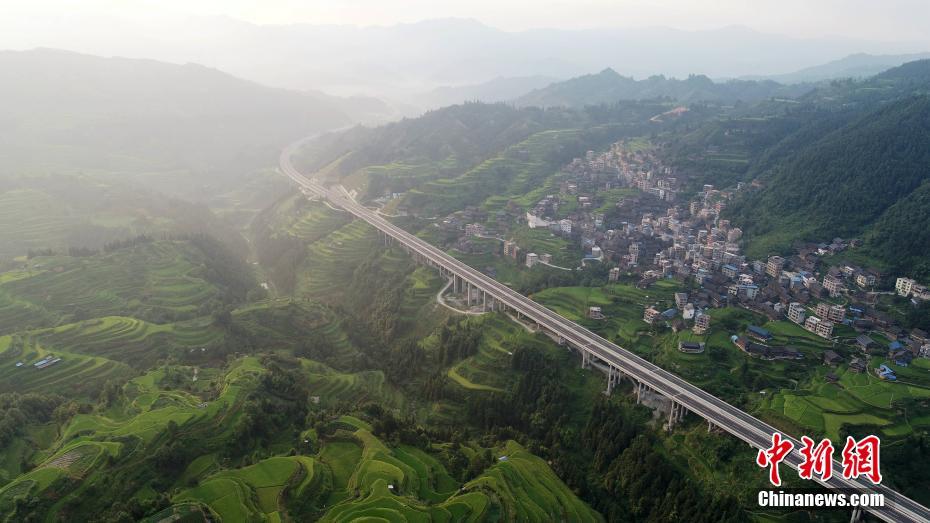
<point>608,86</point>
<point>841,181</point>
<point>463,132</point>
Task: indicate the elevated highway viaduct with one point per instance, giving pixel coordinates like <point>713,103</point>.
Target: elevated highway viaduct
<point>617,362</point>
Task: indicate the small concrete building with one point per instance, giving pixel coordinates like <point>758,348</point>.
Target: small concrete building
<point>797,313</point>
<point>651,315</point>
<point>701,323</point>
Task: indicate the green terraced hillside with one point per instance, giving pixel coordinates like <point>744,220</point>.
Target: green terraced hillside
<point>514,171</point>
<point>407,484</point>
<point>71,374</point>
<point>76,459</point>
<point>136,342</point>
<point>88,211</point>
<point>157,281</point>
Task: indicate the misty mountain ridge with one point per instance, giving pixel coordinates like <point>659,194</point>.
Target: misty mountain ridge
<point>119,114</point>
<point>608,86</point>
<point>400,61</point>
<point>499,89</point>
<point>859,65</point>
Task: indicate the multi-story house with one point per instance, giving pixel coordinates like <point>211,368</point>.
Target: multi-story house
<point>701,323</point>
<point>797,313</point>
<point>651,315</point>
<point>774,266</point>
<point>833,285</point>
<point>904,286</point>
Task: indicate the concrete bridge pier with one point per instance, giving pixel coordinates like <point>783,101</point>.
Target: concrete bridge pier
<point>585,359</point>
<point>385,238</point>
<point>676,414</point>
<point>613,376</point>
<point>640,389</point>
<point>856,515</point>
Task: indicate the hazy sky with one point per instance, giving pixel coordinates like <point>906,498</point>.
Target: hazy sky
<point>891,20</point>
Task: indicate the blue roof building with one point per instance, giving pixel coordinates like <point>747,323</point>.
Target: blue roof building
<point>759,332</point>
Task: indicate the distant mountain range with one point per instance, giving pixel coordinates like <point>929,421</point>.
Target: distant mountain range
<point>608,86</point>
<point>860,65</point>
<point>64,111</point>
<point>402,61</point>
<point>500,89</point>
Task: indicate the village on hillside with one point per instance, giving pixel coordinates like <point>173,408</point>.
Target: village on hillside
<point>623,209</point>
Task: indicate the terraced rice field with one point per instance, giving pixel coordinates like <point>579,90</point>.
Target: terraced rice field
<point>489,369</point>
<point>19,314</point>
<point>129,340</point>
<point>74,461</point>
<point>75,374</point>
<point>372,480</point>
<point>246,493</point>
<point>23,228</point>
<point>284,322</point>
<point>332,260</point>
<point>152,409</point>
<point>857,399</point>
<point>514,172</point>
<point>150,281</point>
<point>316,221</point>
<point>401,175</point>
<point>355,476</point>
<point>434,484</point>
<point>335,387</point>
<point>528,489</point>
<point>407,484</point>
